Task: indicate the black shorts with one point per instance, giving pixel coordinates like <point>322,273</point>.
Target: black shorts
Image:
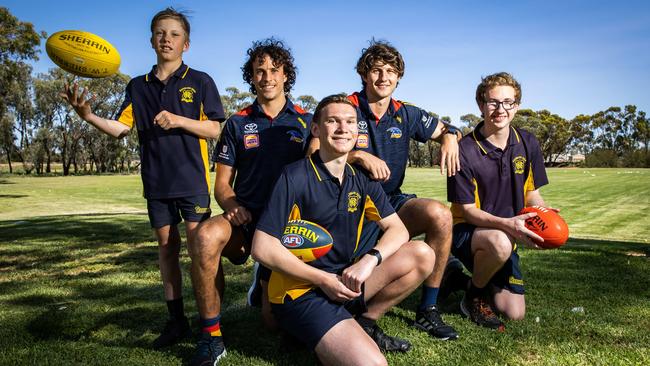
<point>309,317</point>
<point>370,233</point>
<point>509,277</point>
<point>163,212</point>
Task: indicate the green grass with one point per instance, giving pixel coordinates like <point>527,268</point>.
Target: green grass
<point>79,282</point>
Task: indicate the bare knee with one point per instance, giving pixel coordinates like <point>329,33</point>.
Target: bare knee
<point>207,244</point>
<point>499,245</point>
<point>514,312</point>
<point>423,256</point>
<point>439,215</point>
<point>511,306</point>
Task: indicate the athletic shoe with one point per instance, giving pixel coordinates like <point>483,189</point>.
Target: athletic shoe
<point>254,296</point>
<point>385,342</point>
<point>454,279</point>
<point>209,350</point>
<point>174,331</point>
<point>481,313</point>
<point>430,321</point>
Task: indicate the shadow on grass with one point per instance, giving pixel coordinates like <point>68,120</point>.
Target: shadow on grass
<point>85,229</point>
<point>13,195</point>
<point>94,278</point>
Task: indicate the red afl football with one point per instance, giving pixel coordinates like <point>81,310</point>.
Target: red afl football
<point>306,240</point>
<point>549,225</point>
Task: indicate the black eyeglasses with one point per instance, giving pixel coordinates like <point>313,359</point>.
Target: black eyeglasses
<point>507,104</point>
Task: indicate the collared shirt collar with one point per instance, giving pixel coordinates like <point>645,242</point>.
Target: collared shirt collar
<point>321,170</point>
<point>179,73</point>
<point>365,106</point>
<point>486,146</point>
<point>288,107</point>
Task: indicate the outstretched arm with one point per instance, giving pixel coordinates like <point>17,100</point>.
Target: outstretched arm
<point>80,102</point>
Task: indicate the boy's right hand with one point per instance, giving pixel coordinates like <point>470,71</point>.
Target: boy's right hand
<point>238,216</point>
<point>518,230</point>
<point>336,290</point>
<point>79,101</point>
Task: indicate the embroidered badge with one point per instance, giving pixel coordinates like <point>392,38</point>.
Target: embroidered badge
<point>187,94</point>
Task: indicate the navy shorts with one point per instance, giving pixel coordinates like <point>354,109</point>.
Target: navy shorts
<point>370,233</point>
<point>509,277</point>
<point>309,317</point>
<point>163,212</point>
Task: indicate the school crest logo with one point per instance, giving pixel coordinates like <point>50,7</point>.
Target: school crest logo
<point>395,133</point>
<point>353,201</point>
<point>519,163</point>
<point>251,141</point>
<point>187,94</point>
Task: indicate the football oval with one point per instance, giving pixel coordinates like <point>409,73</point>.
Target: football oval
<point>83,53</point>
<point>549,225</point>
<point>306,240</point>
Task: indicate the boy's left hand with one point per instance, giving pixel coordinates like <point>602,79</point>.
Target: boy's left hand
<point>168,120</point>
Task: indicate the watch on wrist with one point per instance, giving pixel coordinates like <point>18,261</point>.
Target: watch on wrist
<point>375,253</point>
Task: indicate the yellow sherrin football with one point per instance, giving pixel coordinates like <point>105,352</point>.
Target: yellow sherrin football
<point>83,54</point>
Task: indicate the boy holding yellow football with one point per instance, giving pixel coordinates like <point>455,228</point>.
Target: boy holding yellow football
<point>174,109</point>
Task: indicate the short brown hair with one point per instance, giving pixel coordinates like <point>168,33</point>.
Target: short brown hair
<point>173,14</point>
<point>280,56</point>
<point>494,80</point>
<point>330,99</point>
<point>379,52</point>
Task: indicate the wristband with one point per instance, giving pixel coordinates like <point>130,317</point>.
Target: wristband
<point>453,130</point>
<point>375,253</point>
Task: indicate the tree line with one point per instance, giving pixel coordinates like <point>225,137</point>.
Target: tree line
<point>38,128</point>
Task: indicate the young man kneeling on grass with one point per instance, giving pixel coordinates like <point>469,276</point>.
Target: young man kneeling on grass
<point>330,303</point>
<point>503,169</point>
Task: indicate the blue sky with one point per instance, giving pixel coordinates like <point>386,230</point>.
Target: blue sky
<point>571,57</point>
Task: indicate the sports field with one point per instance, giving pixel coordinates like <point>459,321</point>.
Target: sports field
<point>79,282</point>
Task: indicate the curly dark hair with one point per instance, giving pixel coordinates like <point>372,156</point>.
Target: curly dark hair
<point>379,51</point>
<point>279,54</point>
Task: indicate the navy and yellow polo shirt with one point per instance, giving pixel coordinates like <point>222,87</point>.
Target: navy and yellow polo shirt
<point>388,138</point>
<point>258,147</point>
<point>306,190</point>
<point>174,162</point>
<point>496,180</point>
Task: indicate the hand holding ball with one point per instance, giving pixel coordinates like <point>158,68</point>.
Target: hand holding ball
<point>549,225</point>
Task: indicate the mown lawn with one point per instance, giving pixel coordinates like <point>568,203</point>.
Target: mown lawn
<point>79,282</point>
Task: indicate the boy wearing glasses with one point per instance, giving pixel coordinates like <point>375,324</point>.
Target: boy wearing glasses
<point>503,169</point>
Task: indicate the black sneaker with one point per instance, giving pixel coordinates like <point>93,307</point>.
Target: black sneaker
<point>254,295</point>
<point>481,313</point>
<point>454,279</point>
<point>385,342</point>
<point>209,350</point>
<point>430,321</point>
<point>174,331</point>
